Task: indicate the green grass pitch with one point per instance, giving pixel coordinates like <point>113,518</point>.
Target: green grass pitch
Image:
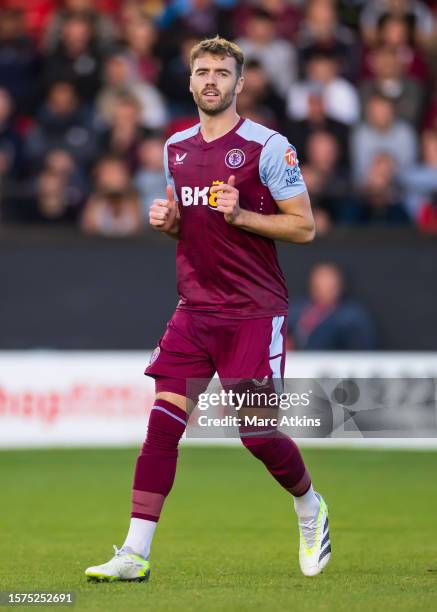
<point>227,540</point>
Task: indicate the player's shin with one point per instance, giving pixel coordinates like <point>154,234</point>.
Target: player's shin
<point>282,458</point>
<point>154,473</point>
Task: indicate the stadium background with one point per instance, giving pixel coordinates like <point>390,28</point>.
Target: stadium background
<point>89,90</point>
<point>88,93</point>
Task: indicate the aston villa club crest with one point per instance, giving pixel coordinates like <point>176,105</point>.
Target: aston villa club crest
<point>235,158</point>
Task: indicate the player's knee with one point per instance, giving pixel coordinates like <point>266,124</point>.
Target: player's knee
<point>182,402</point>
<point>174,390</point>
<point>167,423</point>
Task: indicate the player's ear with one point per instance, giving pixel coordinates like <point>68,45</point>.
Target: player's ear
<point>240,84</point>
<point>191,89</point>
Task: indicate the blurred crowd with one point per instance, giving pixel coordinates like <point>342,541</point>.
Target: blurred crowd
<point>90,90</point>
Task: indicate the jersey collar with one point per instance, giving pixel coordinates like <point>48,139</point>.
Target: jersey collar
<point>221,139</point>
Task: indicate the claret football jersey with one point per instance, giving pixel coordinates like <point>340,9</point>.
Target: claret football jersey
<point>222,269</point>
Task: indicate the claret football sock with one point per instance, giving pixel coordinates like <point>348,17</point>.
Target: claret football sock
<point>154,473</point>
<point>282,458</point>
<point>307,505</point>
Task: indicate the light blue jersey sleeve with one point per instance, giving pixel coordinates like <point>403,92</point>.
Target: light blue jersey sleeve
<point>279,168</point>
<point>168,175</point>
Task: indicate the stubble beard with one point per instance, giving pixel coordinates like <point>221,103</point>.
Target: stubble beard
<point>219,107</point>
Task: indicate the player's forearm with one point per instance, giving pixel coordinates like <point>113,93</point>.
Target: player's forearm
<point>286,227</point>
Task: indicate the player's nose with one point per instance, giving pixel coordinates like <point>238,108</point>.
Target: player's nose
<point>212,79</point>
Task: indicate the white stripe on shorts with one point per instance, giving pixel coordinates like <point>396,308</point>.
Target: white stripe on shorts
<point>276,347</point>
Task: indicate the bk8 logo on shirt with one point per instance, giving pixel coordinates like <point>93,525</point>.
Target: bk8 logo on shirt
<point>194,196</point>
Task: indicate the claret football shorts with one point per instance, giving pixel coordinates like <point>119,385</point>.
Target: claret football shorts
<point>196,345</point>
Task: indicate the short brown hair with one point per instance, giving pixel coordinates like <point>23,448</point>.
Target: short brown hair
<point>218,46</point>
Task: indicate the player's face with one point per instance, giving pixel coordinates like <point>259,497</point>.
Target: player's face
<point>214,83</point>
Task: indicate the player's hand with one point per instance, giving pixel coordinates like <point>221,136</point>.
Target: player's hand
<point>228,200</point>
<point>164,214</point>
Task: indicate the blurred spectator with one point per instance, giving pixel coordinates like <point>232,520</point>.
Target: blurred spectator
<point>140,37</point>
<point>390,81</point>
<point>203,18</point>
<point>130,11</point>
<point>124,134</point>
<point>415,13</point>
<point>76,58</point>
<point>298,132</point>
<point>150,178</point>
<point>101,23</point>
<point>322,78</point>
<point>36,14</point>
<point>420,182</point>
<point>276,55</point>
<point>120,80</point>
<point>381,132</point>
<point>393,32</point>
<point>286,16</point>
<point>11,158</point>
<point>113,208</point>
<point>258,101</point>
<point>320,31</point>
<point>19,67</point>
<point>62,163</point>
<point>52,201</point>
<point>381,200</point>
<point>11,145</point>
<point>327,320</point>
<point>430,119</point>
<point>329,185</point>
<point>174,80</point>
<point>54,195</point>
<point>322,219</point>
<point>62,123</point>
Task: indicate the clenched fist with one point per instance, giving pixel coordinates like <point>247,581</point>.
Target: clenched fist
<point>164,214</point>
<point>228,200</point>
